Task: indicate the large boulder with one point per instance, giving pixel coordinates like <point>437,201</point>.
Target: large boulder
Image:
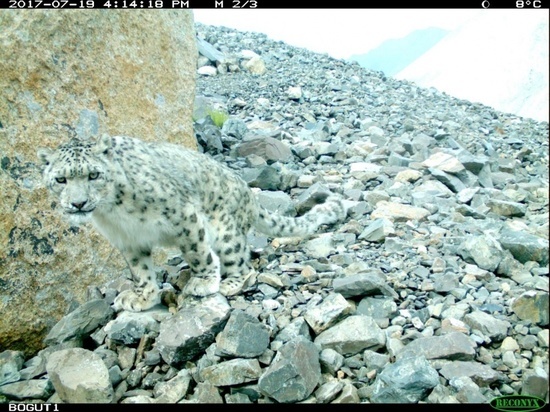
<point>76,74</point>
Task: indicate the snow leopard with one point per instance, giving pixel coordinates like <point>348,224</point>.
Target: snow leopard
<point>140,195</point>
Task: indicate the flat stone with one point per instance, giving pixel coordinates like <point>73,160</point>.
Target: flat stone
<point>232,372</point>
<point>524,246</point>
<point>378,230</point>
<point>398,212</point>
<point>453,346</point>
<point>481,374</point>
<point>444,162</point>
<point>11,362</point>
<point>243,337</point>
<point>352,335</point>
<point>293,374</point>
<point>333,308</point>
<point>532,306</point>
<point>192,329</point>
<point>31,389</point>
<point>489,325</point>
<point>507,209</point>
<point>79,376</point>
<point>269,148</point>
<point>485,251</point>
<point>408,380</point>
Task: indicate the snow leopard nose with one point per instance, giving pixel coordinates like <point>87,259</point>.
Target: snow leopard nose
<point>79,205</point>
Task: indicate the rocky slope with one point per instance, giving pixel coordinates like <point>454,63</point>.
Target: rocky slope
<point>435,289</point>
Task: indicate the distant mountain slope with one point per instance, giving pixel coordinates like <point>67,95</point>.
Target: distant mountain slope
<point>500,61</point>
<point>394,55</point>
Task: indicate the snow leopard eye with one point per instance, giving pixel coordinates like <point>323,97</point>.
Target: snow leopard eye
<point>61,180</point>
<point>93,175</point>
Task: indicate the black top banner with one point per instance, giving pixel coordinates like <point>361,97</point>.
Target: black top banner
<point>265,4</point>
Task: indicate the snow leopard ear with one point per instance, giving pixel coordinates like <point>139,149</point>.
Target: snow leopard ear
<point>103,144</point>
<point>45,155</point>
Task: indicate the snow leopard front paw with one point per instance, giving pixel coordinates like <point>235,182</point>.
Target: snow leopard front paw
<point>232,285</point>
<point>134,302</point>
<point>202,286</point>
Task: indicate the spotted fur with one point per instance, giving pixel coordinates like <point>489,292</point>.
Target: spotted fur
<point>140,195</point>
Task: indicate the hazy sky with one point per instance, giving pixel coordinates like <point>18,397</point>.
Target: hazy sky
<point>338,32</point>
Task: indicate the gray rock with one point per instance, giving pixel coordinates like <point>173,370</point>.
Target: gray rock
<point>269,148</point>
<point>535,383</point>
<point>485,177</point>
<point>207,71</point>
<point>472,163</point>
<point>507,209</point>
<point>243,337</point>
<point>80,322</point>
<point>138,399</point>
<point>232,372</point>
<point>209,51</point>
<point>237,398</point>
<point>378,230</point>
<point>115,375</point>
<point>352,335</point>
<point>312,196</point>
<point>443,162</point>
<point>321,246</point>
<point>361,284</point>
<point>108,356</point>
<point>532,306</point>
<point>441,394</point>
<point>129,327</point>
<point>466,195</point>
<point>485,251</point>
<point>398,212</point>
<point>293,374</point>
<point>234,127</point>
<point>296,328</point>
<point>380,309</point>
<point>278,202</point>
<point>375,196</point>
<point>489,325</point>
<point>348,394</point>
<point>452,346</point>
<point>452,182</point>
<point>206,393</point>
<point>375,361</point>
<point>192,329</point>
<point>468,391</point>
<point>11,362</point>
<point>79,376</point>
<point>331,361</point>
<point>265,178</point>
<point>325,148</point>
<point>408,380</point>
<point>482,375</point>
<point>328,391</point>
<point>32,389</point>
<point>173,390</point>
<point>395,159</point>
<point>327,313</point>
<point>525,246</point>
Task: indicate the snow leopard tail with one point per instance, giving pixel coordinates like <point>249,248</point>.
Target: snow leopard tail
<point>332,210</point>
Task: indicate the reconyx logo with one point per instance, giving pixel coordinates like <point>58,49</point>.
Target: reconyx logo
<point>521,403</point>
